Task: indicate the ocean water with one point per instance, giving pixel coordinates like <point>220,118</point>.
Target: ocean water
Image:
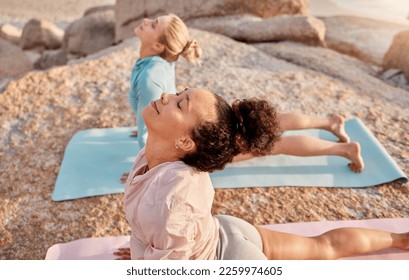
<point>395,8</point>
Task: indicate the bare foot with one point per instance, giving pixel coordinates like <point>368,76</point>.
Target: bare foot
<point>134,133</point>
<point>337,127</point>
<point>123,178</point>
<point>405,237</point>
<point>405,241</point>
<point>401,240</point>
<point>353,153</point>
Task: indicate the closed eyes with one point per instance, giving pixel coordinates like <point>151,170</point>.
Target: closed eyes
<point>180,92</point>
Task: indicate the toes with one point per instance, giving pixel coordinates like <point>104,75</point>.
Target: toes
<point>354,167</point>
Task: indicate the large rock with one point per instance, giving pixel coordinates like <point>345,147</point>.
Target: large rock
<point>395,77</point>
<point>130,12</point>
<point>11,33</point>
<point>366,39</point>
<point>98,9</point>
<point>397,55</point>
<point>41,34</point>
<point>249,28</point>
<point>13,61</point>
<point>90,34</point>
<point>50,59</point>
<point>355,73</point>
<point>33,56</point>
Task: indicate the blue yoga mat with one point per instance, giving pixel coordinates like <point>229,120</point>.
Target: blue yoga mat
<point>95,159</point>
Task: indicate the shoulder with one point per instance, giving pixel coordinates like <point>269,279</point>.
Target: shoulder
<point>182,183</point>
<point>177,173</point>
<point>158,64</point>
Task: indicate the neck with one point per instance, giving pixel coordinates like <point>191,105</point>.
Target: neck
<point>145,52</point>
<point>158,152</point>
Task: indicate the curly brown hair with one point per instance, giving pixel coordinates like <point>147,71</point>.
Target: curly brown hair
<point>249,126</point>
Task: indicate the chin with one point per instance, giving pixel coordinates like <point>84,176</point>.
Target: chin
<point>147,114</point>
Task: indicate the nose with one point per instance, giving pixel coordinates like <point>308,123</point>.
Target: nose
<point>164,98</point>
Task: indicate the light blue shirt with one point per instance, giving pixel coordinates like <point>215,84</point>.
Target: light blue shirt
<point>150,77</point>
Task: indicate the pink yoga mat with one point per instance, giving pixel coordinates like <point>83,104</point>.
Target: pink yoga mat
<point>101,248</point>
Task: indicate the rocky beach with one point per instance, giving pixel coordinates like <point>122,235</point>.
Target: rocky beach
<point>340,67</point>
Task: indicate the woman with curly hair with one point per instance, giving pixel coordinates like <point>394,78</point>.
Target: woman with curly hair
<point>169,195</point>
<point>165,39</point>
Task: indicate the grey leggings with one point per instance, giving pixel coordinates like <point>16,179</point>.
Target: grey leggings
<point>239,240</point>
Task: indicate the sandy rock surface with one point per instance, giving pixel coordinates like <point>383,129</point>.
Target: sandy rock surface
<point>42,111</point>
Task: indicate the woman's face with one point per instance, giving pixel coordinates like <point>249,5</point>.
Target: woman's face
<point>150,30</point>
<point>174,115</point>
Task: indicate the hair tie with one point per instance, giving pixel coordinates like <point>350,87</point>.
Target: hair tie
<point>240,125</point>
<point>191,43</point>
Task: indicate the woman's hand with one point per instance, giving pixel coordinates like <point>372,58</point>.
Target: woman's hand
<point>123,254</point>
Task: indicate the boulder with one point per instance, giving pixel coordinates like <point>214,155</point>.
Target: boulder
<point>51,58</point>
<point>41,34</point>
<point>13,61</point>
<point>3,83</point>
<point>308,30</point>
<point>397,55</point>
<point>33,56</point>
<point>130,12</point>
<point>395,77</point>
<point>98,9</point>
<point>90,34</point>
<point>366,39</point>
<point>11,33</point>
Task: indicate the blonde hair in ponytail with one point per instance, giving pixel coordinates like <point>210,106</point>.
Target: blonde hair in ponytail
<point>176,41</point>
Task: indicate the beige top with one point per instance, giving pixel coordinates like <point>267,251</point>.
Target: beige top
<point>169,211</point>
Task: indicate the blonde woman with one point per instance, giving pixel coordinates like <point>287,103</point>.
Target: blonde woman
<point>165,39</point>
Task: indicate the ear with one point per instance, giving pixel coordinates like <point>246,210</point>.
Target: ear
<point>158,47</point>
<point>185,143</point>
